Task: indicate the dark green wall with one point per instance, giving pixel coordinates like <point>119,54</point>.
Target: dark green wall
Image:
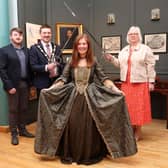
<point>31,11</point>
<point>92,14</point>
<point>131,12</point>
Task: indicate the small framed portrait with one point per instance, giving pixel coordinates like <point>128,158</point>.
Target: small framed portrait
<point>157,42</point>
<point>111,18</point>
<point>66,34</point>
<point>32,93</point>
<point>155,14</point>
<point>111,44</point>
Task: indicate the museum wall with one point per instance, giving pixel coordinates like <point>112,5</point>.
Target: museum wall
<point>93,15</point>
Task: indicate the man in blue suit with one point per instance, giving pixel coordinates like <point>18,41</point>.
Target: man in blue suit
<point>45,60</point>
<point>15,75</point>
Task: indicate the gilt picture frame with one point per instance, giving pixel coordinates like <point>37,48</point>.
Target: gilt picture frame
<point>111,44</point>
<point>66,34</point>
<point>157,42</point>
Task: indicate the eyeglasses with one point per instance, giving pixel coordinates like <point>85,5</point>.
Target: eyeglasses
<point>133,34</point>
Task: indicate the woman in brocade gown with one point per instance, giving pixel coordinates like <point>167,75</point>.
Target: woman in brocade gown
<point>136,62</point>
<point>79,120</point>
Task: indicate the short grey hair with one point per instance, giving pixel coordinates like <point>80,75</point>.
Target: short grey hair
<point>134,29</point>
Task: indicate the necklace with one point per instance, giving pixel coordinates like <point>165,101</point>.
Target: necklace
<point>52,57</point>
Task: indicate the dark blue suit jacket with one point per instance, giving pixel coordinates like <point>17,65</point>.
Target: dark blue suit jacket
<point>10,68</point>
<point>38,61</point>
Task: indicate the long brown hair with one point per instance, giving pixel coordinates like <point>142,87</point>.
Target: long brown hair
<point>76,56</point>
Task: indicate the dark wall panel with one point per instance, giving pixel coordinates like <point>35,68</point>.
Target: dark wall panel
<point>32,11</point>
<point>130,12</point>
<point>123,11</point>
<point>58,13</point>
<point>143,13</point>
<point>93,15</point>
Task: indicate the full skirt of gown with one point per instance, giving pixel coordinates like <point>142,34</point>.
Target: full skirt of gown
<point>83,128</point>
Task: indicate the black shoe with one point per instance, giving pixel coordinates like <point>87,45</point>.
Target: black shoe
<point>25,133</point>
<point>14,140</point>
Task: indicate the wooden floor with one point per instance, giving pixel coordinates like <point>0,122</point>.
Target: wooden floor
<point>152,152</point>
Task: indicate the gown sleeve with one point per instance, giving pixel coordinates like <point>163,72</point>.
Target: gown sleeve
<point>66,75</point>
<point>99,72</point>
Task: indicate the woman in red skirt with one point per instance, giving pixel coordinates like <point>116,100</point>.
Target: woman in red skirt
<point>137,73</point>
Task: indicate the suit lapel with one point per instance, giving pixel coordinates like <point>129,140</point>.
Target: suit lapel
<point>42,51</point>
<point>13,51</point>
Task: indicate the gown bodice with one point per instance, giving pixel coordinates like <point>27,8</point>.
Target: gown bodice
<point>81,78</point>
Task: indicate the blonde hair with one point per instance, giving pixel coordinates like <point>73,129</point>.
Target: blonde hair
<point>134,29</point>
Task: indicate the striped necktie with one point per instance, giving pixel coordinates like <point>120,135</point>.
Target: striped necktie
<point>48,50</point>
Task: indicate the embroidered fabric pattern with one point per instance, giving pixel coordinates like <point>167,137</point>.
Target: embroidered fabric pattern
<point>82,77</point>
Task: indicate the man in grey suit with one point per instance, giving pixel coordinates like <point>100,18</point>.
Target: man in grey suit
<point>15,75</point>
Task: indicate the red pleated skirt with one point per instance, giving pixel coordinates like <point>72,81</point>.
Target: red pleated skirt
<point>138,102</point>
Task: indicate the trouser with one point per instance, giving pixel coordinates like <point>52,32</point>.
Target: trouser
<point>18,106</point>
<point>38,92</point>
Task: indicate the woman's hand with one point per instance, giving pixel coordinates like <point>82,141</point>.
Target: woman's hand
<point>108,83</point>
<point>12,91</point>
<point>59,83</point>
<point>55,85</point>
<point>108,57</point>
<point>151,86</point>
<point>115,89</point>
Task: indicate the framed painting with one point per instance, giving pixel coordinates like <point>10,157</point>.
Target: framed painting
<point>32,93</point>
<point>66,34</point>
<point>155,14</point>
<point>157,42</point>
<point>111,44</point>
<point>32,34</point>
